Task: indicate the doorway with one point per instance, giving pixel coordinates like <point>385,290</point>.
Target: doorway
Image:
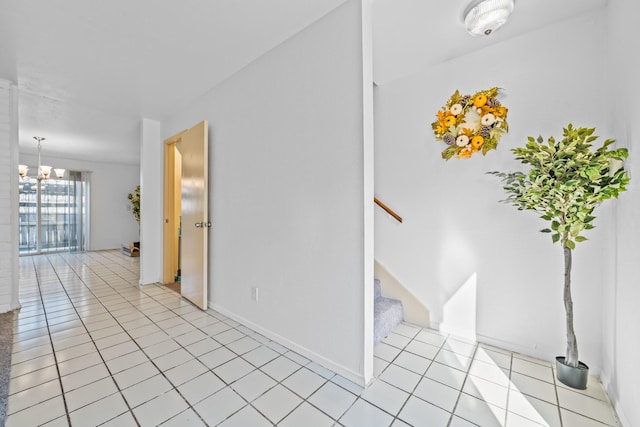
<point>172,274</point>
<point>186,222</point>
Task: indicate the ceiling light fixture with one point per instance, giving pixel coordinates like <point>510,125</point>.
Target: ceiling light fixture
<point>44,172</point>
<point>483,17</point>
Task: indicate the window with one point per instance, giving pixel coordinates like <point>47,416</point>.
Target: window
<point>52,214</point>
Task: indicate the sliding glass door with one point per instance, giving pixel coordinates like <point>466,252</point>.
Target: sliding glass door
<point>52,214</point>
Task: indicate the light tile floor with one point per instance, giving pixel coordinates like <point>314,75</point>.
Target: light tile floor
<point>93,348</point>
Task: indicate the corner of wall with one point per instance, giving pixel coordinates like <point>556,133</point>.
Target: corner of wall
<point>151,183</point>
<point>368,189</point>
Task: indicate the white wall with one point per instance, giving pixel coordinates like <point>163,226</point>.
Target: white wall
<point>621,344</point>
<point>8,197</point>
<point>454,226</point>
<point>287,168</point>
<point>151,206</point>
<point>368,266</point>
<point>111,220</point>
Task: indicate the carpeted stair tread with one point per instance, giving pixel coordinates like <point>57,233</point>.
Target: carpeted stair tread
<point>377,289</point>
<point>387,314</point>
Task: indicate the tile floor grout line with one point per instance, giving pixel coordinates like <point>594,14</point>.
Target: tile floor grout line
<point>106,284</point>
<point>89,333</point>
<point>209,369</point>
<point>395,417</point>
<point>555,389</point>
<point>258,368</point>
<point>509,388</point>
<point>464,382</point>
<point>336,419</point>
<point>423,375</point>
<point>398,355</point>
<point>55,358</point>
<point>93,341</point>
<point>346,411</point>
<point>432,361</point>
<point>161,371</point>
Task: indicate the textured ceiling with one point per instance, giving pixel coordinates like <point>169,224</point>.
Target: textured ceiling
<point>88,71</point>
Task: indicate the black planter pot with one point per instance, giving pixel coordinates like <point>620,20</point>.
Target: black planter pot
<point>572,377</point>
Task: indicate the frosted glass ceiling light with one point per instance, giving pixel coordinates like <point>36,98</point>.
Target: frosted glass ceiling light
<point>23,170</point>
<point>45,171</point>
<point>483,17</point>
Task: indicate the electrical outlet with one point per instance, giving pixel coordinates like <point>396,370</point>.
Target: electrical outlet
<point>254,293</point>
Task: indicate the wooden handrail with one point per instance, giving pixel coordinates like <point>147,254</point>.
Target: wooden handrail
<point>387,209</point>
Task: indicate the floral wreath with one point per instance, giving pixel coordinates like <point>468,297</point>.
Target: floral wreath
<point>469,124</point>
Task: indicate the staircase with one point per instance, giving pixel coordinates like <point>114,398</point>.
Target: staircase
<point>387,313</point>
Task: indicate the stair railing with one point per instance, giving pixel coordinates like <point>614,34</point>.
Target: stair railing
<point>388,210</point>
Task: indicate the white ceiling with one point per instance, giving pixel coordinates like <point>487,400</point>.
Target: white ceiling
<point>411,35</point>
<point>88,71</point>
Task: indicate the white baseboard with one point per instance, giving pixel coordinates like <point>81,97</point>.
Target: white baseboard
<point>506,345</point>
<point>516,348</point>
<point>622,419</point>
<point>355,377</point>
<point>605,379</point>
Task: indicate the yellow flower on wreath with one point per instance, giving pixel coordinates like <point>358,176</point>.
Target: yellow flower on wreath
<point>449,121</point>
<point>477,142</point>
<point>480,131</point>
<point>466,131</point>
<point>480,100</point>
<point>465,153</point>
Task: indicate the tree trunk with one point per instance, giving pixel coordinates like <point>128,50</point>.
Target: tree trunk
<point>571,358</point>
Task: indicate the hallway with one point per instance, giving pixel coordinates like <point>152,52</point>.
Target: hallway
<point>91,348</point>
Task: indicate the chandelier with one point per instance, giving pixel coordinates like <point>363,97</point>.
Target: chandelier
<point>44,172</point>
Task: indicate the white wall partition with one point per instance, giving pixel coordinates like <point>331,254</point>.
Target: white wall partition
<point>8,197</point>
<point>621,316</point>
<point>287,180</point>
<point>151,207</point>
<point>461,251</point>
<point>368,190</point>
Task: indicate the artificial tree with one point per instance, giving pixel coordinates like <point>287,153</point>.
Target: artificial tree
<point>566,181</point>
<point>134,198</point>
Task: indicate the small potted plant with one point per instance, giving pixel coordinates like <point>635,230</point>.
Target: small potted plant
<point>566,181</point>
